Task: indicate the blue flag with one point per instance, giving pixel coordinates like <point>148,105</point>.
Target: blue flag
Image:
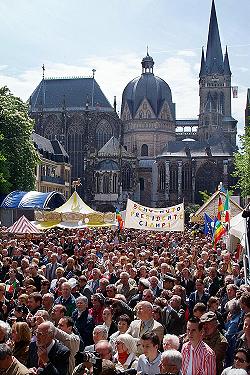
<point>208,225</point>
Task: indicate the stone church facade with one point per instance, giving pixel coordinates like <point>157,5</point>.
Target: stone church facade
<point>146,154</point>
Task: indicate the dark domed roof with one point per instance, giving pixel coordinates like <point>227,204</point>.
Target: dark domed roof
<point>148,86</point>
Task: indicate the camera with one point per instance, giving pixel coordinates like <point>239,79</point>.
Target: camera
<point>95,360</point>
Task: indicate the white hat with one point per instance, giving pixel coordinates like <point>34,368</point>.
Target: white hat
<point>128,341</point>
<point>73,282</point>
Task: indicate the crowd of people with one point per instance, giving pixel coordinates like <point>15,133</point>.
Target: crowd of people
<point>100,301</point>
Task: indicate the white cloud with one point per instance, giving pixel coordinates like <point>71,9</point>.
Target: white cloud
<point>113,74</point>
<point>186,53</point>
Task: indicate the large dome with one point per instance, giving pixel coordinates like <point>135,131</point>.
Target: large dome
<point>148,86</point>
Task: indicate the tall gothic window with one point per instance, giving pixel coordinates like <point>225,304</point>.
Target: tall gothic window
<point>162,177</point>
<point>186,178</point>
<point>173,177</point>
<point>114,183</point>
<point>103,133</point>
<point>106,182</point>
<point>126,178</point>
<point>142,184</point>
<point>75,141</point>
<point>144,150</point>
<point>98,182</point>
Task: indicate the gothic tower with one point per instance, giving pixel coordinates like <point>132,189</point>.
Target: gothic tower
<point>215,117</point>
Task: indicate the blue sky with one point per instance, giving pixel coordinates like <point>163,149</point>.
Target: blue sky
<point>73,37</point>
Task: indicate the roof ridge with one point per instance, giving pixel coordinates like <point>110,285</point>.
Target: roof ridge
<point>70,77</point>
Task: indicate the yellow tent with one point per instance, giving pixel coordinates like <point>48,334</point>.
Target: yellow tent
<point>74,214</point>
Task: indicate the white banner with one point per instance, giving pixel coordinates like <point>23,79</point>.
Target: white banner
<point>159,219</point>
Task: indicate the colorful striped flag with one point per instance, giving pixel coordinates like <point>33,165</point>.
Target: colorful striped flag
<point>220,208</point>
<point>226,209</point>
<point>119,219</point>
<point>219,231</point>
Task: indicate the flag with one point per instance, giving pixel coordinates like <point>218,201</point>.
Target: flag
<point>119,219</point>
<point>219,231</point>
<point>208,224</point>
<point>220,208</point>
<point>9,288</point>
<point>226,209</point>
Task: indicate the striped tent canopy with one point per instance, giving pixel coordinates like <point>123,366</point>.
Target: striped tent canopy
<point>23,226</point>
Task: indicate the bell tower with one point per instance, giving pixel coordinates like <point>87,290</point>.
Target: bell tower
<point>215,116</point>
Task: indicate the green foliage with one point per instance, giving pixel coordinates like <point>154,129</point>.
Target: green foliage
<point>17,152</point>
<point>205,195</point>
<point>242,164</point>
<point>190,209</point>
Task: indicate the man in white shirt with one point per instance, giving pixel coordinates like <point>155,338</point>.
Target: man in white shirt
<point>149,362</point>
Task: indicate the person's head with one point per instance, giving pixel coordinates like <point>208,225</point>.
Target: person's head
<point>171,362</point>
<point>6,358</point>
<point>5,331</point>
<point>48,301</point>
<point>231,291</point>
<point>233,307</point>
<point>124,277</point>
<point>245,302</point>
<point>209,323</point>
<point>171,342</point>
<point>96,274</point>
<point>144,310</point>
<point>199,309</point>
<point>213,303</point>
<point>242,359</point>
<point>125,343</point>
<point>148,295</point>
<point>123,323</point>
<point>2,289</point>
<point>58,312</point>
<point>150,343</point>
<point>107,315</point>
<point>35,301</point>
<point>199,285</point>
<point>108,367</point>
<point>97,300</point>
<point>45,284</point>
<point>59,272</point>
<point>175,302</point>
<point>66,324</point>
<point>194,331</point>
<point>20,332</point>
<point>66,290</point>
<point>81,303</point>
<point>111,290</point>
<point>154,281</point>
<point>100,333</point>
<point>104,349</point>
<point>45,333</point>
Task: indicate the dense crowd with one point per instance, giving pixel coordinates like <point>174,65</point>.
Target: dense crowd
<point>131,302</point>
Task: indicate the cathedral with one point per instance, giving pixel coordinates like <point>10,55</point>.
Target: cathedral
<point>146,154</point>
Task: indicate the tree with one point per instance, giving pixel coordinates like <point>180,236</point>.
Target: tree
<point>242,164</point>
<point>18,154</point>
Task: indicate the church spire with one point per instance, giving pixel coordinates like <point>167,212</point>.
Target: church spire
<point>203,64</point>
<point>214,57</point>
<point>227,70</point>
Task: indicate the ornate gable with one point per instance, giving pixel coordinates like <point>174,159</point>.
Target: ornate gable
<point>126,114</point>
<point>145,111</point>
<point>165,113</point>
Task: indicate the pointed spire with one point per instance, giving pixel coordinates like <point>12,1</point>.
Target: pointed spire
<point>214,57</point>
<point>227,70</point>
<point>203,64</point>
<point>43,68</point>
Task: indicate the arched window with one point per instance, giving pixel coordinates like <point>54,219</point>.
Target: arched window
<point>114,183</point>
<point>161,177</point>
<point>186,178</point>
<point>126,178</point>
<point>148,114</point>
<point>144,150</point>
<point>106,180</point>
<point>98,182</point>
<point>173,178</point>
<point>222,103</point>
<point>142,184</point>
<point>141,114</point>
<point>103,133</point>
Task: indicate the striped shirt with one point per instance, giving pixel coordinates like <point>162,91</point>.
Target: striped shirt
<point>203,359</point>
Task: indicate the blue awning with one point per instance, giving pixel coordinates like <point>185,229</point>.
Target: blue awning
<point>33,200</point>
